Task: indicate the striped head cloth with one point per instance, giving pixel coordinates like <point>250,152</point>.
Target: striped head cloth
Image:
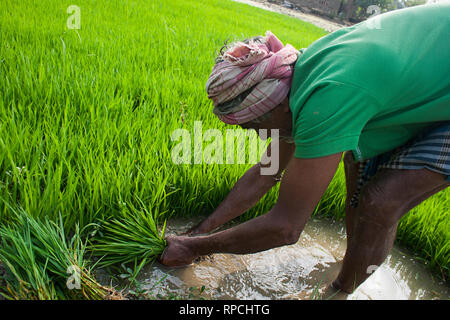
<point>262,67</point>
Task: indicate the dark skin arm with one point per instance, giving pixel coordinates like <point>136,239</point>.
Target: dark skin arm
<point>247,191</point>
<point>301,188</point>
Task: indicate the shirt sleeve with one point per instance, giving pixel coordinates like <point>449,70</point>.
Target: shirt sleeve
<point>331,120</point>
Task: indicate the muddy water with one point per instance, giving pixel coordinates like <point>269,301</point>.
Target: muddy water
<point>299,271</point>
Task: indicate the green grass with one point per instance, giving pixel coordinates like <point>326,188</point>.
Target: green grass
<point>86,116</point>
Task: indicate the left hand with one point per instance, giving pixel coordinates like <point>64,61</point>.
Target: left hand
<point>195,230</point>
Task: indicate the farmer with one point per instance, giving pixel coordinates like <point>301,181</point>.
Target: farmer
<point>376,94</point>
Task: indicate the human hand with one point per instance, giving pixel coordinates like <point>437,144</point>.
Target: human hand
<point>198,229</point>
<point>177,252</point>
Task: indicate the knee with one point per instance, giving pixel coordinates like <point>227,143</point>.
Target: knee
<point>379,207</point>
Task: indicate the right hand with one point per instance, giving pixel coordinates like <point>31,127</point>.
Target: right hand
<point>177,252</point>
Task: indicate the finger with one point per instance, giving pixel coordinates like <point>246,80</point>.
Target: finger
<point>161,257</point>
<point>186,233</point>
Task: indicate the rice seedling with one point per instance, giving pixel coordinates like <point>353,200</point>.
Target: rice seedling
<point>39,261</point>
<point>132,237</point>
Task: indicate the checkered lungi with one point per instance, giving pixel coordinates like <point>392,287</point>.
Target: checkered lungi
<point>430,150</point>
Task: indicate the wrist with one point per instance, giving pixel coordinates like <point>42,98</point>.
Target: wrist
<point>197,247</point>
<point>204,227</point>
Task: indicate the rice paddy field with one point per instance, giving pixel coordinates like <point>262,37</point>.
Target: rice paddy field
<point>86,117</point>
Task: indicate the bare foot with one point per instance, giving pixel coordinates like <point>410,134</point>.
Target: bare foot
<point>177,252</point>
<point>332,293</point>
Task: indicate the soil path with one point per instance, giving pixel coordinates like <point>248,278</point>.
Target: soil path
<point>320,22</point>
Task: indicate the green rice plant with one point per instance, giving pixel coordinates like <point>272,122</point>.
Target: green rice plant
<point>426,231</point>
<point>39,260</point>
<point>26,278</point>
<point>132,237</point>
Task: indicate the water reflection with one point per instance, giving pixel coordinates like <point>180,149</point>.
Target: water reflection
<point>300,271</point>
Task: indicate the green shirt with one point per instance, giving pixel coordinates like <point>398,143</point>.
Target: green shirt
<point>371,87</point>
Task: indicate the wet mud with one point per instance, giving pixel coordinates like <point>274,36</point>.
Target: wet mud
<point>303,270</point>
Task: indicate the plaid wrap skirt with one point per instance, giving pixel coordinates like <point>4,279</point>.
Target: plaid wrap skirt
<point>430,150</point>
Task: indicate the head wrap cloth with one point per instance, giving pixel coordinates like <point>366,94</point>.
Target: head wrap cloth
<point>263,67</point>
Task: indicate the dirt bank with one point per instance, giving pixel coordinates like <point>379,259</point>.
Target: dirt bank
<point>320,22</point>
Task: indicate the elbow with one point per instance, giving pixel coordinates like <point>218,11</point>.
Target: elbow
<point>268,180</point>
<point>291,236</point>
<point>263,181</point>
<point>286,228</point>
<point>287,233</point>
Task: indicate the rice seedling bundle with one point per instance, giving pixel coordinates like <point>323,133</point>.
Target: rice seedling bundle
<point>132,237</point>
<point>38,258</point>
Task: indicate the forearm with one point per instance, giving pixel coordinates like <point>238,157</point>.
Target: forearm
<point>247,191</point>
<point>302,187</point>
<point>273,229</point>
<point>259,234</point>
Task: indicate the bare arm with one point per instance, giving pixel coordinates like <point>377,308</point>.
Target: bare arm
<point>302,187</point>
<point>247,191</point>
